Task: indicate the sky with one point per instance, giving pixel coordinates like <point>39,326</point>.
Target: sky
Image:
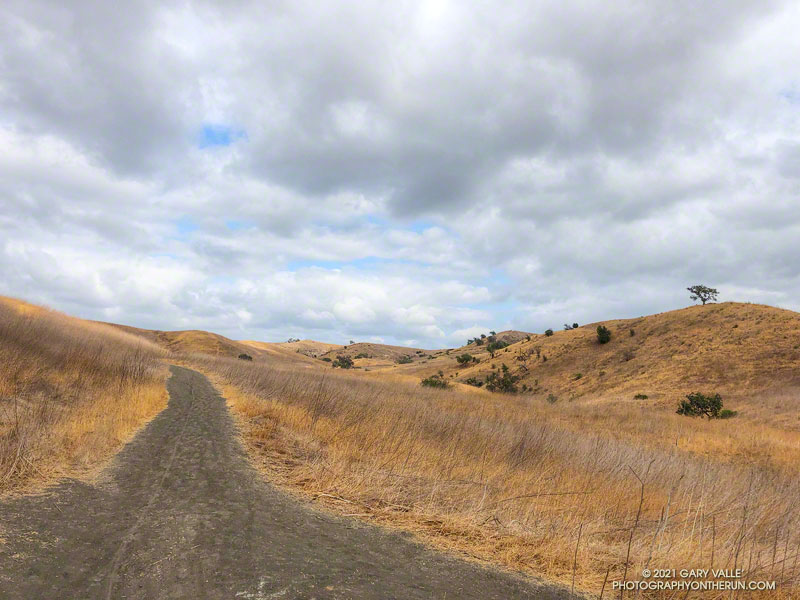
<point>399,172</point>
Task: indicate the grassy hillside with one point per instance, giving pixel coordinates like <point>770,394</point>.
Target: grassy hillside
<point>530,480</point>
<point>71,392</point>
<point>308,348</point>
<point>525,479</point>
<point>521,481</point>
<point>736,349</point>
<point>187,342</point>
<point>368,354</point>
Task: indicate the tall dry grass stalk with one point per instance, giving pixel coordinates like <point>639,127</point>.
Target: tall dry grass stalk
<point>505,479</point>
<point>71,392</point>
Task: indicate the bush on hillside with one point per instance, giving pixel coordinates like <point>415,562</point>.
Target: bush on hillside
<point>505,382</point>
<point>701,405</point>
<point>465,358</point>
<point>494,346</point>
<point>603,334</point>
<point>473,381</point>
<point>435,381</point>
<point>404,360</point>
<point>244,356</point>
<point>548,332</point>
<point>343,362</point>
<point>640,397</point>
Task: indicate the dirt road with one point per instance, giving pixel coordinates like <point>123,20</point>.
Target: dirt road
<point>181,514</point>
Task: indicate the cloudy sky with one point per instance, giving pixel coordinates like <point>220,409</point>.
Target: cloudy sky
<point>410,172</point>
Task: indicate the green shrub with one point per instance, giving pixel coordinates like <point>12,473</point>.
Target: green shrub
<point>577,376</point>
<point>603,334</point>
<point>701,405</point>
<point>726,413</point>
<point>326,358</point>
<point>640,397</point>
<point>493,347</point>
<point>244,356</point>
<point>343,362</point>
<point>465,358</point>
<point>435,381</point>
<point>505,382</point>
<point>552,398</point>
<point>362,355</point>
<point>548,332</point>
<point>473,381</point>
<point>404,360</point>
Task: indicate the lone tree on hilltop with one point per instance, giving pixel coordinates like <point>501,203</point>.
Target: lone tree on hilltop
<point>703,293</point>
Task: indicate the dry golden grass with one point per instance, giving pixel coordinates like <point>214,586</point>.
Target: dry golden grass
<point>733,348</point>
<point>71,393</point>
<point>524,483</point>
<point>310,348</point>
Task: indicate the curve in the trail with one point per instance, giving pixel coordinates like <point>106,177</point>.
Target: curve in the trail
<point>181,513</point>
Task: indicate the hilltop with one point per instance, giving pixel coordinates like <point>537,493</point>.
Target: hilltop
<point>733,348</point>
<point>464,470</point>
<point>730,347</point>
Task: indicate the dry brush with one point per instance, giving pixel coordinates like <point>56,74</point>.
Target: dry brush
<point>504,479</point>
<point>71,392</point>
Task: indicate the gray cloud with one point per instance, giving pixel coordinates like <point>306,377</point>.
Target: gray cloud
<point>413,171</point>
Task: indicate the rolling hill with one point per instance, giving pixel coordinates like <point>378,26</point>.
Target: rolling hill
<point>733,348</point>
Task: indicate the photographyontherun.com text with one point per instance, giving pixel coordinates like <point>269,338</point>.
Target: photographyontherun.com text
<point>694,580</point>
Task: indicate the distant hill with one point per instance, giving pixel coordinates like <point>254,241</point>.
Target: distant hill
<point>730,347</point>
<point>733,348</point>
<point>190,341</point>
<point>372,355</point>
<point>308,348</point>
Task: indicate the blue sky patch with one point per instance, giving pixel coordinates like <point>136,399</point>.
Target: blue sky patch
<point>212,135</point>
<point>185,226</point>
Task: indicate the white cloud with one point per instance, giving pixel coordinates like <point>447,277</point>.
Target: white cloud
<point>421,171</point>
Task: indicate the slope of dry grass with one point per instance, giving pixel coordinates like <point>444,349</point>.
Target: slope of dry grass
<point>188,341</point>
<point>525,483</point>
<point>71,392</point>
<point>733,348</point>
<point>309,348</point>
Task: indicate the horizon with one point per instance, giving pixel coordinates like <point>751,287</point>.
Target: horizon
<point>487,332</point>
<point>410,175</point>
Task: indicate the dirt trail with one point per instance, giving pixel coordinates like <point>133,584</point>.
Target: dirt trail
<point>180,513</point>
